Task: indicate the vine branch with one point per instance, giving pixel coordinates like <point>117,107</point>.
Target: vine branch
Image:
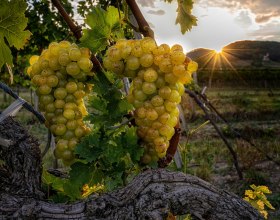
<point>26,105</point>
<point>233,153</point>
<point>144,27</point>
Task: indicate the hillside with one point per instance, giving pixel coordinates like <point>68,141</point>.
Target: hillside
<point>239,54</point>
<point>255,63</point>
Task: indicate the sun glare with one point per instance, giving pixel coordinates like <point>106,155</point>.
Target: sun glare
<point>219,51</point>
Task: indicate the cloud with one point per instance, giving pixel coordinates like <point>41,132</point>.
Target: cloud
<point>244,19</point>
<point>158,12</point>
<point>270,31</point>
<point>264,10</point>
<point>146,3</point>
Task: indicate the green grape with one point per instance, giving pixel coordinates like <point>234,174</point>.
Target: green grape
<point>151,114</point>
<point>58,103</point>
<point>170,78</point>
<point>137,83</point>
<point>117,67</point>
<point>172,121</point>
<point>69,114</point>
<point>85,64</point>
<point>177,57</point>
<point>176,47</point>
<point>47,72</point>
<point>132,63</point>
<point>44,64</point>
<point>137,51</point>
<point>60,129</point>
<point>166,131</point>
<point>50,107</point>
<point>139,95</point>
<point>170,106</point>
<point>73,69</point>
<point>149,88</point>
<point>148,45</point>
<point>71,124</point>
<point>46,99</point>
<point>71,87</point>
<point>157,100</point>
<point>126,51</point>
<point>54,48</point>
<point>150,75</point>
<point>64,59</point>
<point>54,64</point>
<point>140,112</point>
<point>175,96</point>
<point>60,93</point>
<point>165,65</point>
<point>60,119</point>
<point>160,109</point>
<point>146,60</point>
<point>179,70</point>
<point>114,54</point>
<point>52,81</point>
<point>164,118</point>
<point>164,92</point>
<point>44,90</point>
<point>75,54</point>
<point>160,82</point>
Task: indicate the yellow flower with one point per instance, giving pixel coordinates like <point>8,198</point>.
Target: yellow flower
<point>260,204</point>
<point>264,189</point>
<point>86,190</point>
<point>250,194</point>
<point>264,214</point>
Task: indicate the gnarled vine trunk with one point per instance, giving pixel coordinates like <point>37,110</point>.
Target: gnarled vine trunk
<point>151,195</point>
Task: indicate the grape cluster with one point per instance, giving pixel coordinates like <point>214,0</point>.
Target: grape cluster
<point>59,75</point>
<point>158,76</point>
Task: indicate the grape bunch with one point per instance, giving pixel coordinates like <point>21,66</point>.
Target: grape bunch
<point>158,76</point>
<point>59,75</point>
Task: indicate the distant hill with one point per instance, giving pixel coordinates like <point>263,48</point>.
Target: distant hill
<point>255,63</point>
<point>239,54</point>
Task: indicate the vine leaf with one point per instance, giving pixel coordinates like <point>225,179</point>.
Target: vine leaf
<point>79,175</point>
<point>12,25</point>
<point>184,15</point>
<point>104,25</point>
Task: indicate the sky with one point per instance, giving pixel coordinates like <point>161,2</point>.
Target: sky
<point>220,22</point>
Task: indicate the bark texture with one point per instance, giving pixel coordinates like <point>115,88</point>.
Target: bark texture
<point>151,195</point>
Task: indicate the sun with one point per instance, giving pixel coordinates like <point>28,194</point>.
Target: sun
<point>218,51</point>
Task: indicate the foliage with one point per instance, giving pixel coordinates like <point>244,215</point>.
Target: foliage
<point>257,198</point>
<point>184,15</point>
<point>12,25</point>
<point>104,26</point>
<point>110,155</point>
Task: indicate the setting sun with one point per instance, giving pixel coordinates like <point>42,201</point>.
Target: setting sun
<point>218,51</point>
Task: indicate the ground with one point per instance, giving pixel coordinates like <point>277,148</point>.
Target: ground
<point>252,112</point>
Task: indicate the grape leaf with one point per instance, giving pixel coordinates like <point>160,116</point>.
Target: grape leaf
<point>90,149</point>
<point>104,25</point>
<point>80,174</point>
<point>184,15</point>
<point>12,25</point>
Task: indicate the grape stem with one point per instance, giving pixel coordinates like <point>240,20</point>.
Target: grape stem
<point>174,141</point>
<point>77,30</point>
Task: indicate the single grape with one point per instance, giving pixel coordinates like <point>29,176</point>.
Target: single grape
<point>150,75</point>
<point>149,88</point>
